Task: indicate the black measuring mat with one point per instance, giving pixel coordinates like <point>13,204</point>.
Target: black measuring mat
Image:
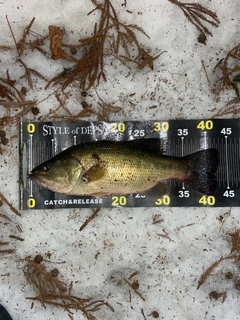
<point>210,147</point>
<point>4,315</point>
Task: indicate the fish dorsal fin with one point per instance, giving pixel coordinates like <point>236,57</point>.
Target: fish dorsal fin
<point>96,172</point>
<point>152,144</point>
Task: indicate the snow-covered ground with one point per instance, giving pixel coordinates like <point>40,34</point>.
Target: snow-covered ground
<point>168,257</point>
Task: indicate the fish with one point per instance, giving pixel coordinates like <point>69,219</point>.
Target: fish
<point>4,315</point>
<point>101,168</point>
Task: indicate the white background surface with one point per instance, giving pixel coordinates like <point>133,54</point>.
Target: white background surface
<point>124,240</point>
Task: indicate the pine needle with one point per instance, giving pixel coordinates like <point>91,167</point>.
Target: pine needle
<point>109,37</point>
<point>207,272</point>
<point>197,15</point>
<point>4,199</point>
<point>53,291</point>
<point>14,39</point>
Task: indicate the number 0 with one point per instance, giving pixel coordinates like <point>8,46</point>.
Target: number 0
<point>30,128</point>
<point>31,202</point>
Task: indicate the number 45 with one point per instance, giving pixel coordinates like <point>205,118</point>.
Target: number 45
<point>226,131</point>
<point>229,193</point>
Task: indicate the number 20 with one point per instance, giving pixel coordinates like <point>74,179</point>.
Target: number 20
<point>119,201</point>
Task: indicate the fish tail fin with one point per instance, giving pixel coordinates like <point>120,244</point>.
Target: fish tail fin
<point>201,169</point>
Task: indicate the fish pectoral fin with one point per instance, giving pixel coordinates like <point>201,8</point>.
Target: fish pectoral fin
<point>159,190</point>
<point>96,172</point>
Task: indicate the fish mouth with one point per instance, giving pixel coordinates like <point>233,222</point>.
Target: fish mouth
<point>40,180</point>
<point>36,178</point>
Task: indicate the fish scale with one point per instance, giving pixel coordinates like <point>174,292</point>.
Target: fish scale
<point>128,168</point>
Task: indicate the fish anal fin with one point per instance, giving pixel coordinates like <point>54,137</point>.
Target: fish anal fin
<point>96,172</point>
<point>157,191</point>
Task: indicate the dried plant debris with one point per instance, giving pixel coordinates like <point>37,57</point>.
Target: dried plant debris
<point>107,108</point>
<point>12,208</point>
<point>126,277</point>
<point>213,295</point>
<point>208,271</point>
<point>235,241</point>
<point>230,71</point>
<point>12,94</point>
<point>53,291</point>
<point>154,314</point>
<point>110,37</point>
<point>93,215</point>
<point>4,245</point>
<point>12,98</point>
<point>55,35</point>
<point>8,89</point>
<point>199,16</point>
<point>35,42</point>
<point>232,108</point>
<point>3,249</point>
<point>227,275</point>
<point>157,218</point>
<point>16,237</point>
<point>87,110</point>
<point>29,72</point>
<point>134,285</point>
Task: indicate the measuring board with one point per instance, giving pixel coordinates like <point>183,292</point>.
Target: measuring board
<point>40,141</point>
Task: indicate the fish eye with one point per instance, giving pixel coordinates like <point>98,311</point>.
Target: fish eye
<point>45,168</point>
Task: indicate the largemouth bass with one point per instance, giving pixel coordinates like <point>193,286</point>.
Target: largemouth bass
<point>125,167</point>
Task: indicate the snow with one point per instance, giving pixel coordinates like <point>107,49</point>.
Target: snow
<point>170,256</point>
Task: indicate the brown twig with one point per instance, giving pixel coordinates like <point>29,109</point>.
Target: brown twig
<point>7,251</point>
<point>22,43</point>
<point>14,39</point>
<point>134,288</point>
<point>15,237</point>
<point>94,214</point>
<point>5,217</point>
<point>4,199</point>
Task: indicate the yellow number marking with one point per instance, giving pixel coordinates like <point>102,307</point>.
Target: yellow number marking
<point>205,125</point>
<point>31,202</point>
<point>118,127</point>
<point>207,200</point>
<point>161,126</point>
<point>119,201</point>
<point>30,128</point>
<point>165,200</point>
